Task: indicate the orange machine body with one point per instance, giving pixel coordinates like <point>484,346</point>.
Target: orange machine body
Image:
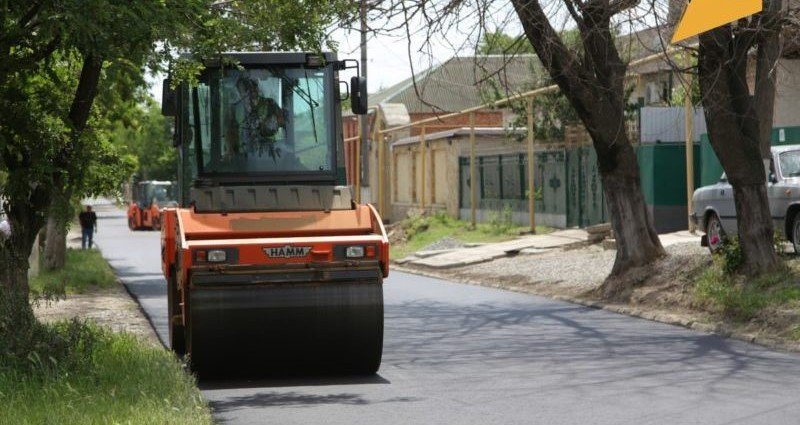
<point>144,218</point>
<point>269,242</point>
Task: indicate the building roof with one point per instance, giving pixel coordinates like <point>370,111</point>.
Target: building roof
<point>463,82</point>
<point>466,81</point>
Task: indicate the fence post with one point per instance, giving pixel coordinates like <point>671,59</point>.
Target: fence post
<point>357,161</point>
<point>473,187</point>
<point>689,132</point>
<point>382,140</point>
<point>422,169</point>
<point>531,187</point>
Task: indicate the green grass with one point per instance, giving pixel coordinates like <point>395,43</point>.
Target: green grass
<point>118,380</point>
<point>741,298</point>
<point>422,231</point>
<point>84,269</point>
<point>74,372</point>
<point>795,333</point>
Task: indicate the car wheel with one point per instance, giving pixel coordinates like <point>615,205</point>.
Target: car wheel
<point>715,233</point>
<point>796,233</point>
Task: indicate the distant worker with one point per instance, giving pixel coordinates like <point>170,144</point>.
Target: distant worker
<point>88,221</point>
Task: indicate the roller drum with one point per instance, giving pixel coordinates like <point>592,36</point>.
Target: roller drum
<point>329,327</point>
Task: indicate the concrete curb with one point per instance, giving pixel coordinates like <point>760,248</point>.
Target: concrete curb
<point>694,323</point>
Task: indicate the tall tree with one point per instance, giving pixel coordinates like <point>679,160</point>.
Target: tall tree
<point>45,148</point>
<point>740,121</point>
<point>594,83</point>
<point>591,75</point>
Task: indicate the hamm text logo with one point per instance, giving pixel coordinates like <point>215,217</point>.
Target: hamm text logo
<point>287,251</point>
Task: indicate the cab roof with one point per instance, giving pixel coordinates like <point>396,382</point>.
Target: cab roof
<point>270,58</point>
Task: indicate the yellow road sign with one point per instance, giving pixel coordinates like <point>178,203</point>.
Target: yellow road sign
<point>704,15</point>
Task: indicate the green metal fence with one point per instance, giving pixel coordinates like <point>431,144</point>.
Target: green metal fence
<point>568,184</point>
<point>711,169</point>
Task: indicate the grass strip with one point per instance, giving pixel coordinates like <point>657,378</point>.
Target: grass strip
<point>120,380</point>
<point>83,270</point>
<point>423,230</point>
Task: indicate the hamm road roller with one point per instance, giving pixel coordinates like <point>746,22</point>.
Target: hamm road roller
<point>148,199</point>
<point>270,263</point>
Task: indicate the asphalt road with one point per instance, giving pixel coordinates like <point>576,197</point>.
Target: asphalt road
<point>459,354</point>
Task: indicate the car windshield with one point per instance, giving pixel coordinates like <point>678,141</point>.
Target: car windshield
<point>263,120</point>
<point>790,163</point>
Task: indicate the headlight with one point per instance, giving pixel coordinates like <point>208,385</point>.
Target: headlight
<point>354,252</point>
<point>216,256</point>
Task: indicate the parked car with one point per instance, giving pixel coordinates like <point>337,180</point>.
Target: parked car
<point>714,211</point>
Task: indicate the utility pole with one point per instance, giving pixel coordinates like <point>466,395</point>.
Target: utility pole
<point>364,119</point>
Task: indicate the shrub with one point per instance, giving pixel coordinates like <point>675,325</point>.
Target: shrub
<point>36,349</point>
<point>742,298</point>
<point>731,253</point>
<point>501,222</point>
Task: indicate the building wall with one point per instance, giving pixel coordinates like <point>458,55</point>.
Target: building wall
<point>787,93</point>
<point>437,190</point>
<point>650,89</point>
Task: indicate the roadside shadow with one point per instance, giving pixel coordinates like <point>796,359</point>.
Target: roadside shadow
<point>295,399</point>
<point>290,381</point>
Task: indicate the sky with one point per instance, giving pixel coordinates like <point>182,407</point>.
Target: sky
<point>387,59</point>
<point>387,55</point>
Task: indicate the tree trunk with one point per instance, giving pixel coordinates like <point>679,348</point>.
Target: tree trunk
<point>16,249</point>
<point>767,56</point>
<point>737,137</point>
<point>754,223</point>
<point>55,246</point>
<point>636,240</point>
<point>16,313</point>
<point>59,212</point>
<point>594,84</point>
<point>58,217</point>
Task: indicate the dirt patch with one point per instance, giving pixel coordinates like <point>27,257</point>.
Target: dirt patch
<point>112,308</point>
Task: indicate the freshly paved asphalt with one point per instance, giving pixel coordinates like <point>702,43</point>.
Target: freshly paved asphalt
<point>459,354</point>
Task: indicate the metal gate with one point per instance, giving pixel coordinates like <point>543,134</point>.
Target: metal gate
<point>567,184</point>
<point>585,201</point>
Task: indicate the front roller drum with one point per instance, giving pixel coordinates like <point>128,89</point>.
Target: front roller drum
<point>287,329</point>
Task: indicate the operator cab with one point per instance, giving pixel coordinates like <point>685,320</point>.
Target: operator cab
<point>161,193</point>
<point>263,132</point>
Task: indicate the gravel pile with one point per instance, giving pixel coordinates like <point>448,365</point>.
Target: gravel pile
<point>444,243</point>
<point>582,269</point>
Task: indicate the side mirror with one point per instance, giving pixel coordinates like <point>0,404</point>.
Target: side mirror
<point>773,178</point>
<point>358,95</point>
<point>169,99</point>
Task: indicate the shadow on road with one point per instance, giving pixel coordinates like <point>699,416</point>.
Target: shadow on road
<point>295,399</point>
<point>295,381</point>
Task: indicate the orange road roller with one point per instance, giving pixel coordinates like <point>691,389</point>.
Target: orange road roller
<point>148,199</point>
<point>271,265</point>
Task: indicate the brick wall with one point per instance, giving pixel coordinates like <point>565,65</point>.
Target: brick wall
<point>482,119</point>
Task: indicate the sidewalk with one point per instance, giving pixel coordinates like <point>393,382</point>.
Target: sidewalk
<point>528,245</point>
<point>531,244</point>
<point>112,307</point>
